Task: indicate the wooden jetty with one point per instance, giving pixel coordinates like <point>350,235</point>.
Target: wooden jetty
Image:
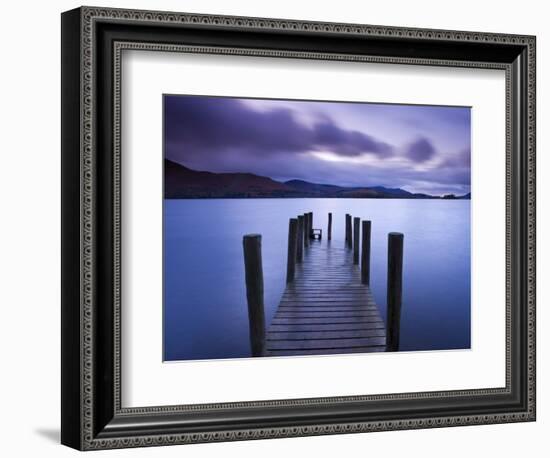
<point>327,306</point>
<point>326,309</point>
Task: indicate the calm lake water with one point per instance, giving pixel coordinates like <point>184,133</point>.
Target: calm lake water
<point>205,309</point>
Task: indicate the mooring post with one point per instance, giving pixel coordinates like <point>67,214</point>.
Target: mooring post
<point>365,253</point>
<point>395,289</point>
<point>329,231</point>
<point>291,260</point>
<point>300,239</point>
<point>356,229</point>
<point>348,230</point>
<point>306,229</point>
<point>254,277</point>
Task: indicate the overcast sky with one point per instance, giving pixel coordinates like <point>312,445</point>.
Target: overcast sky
<point>414,147</point>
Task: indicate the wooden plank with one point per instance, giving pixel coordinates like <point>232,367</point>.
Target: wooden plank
<point>326,317</point>
<point>328,288</point>
<point>328,310</point>
<point>371,311</point>
<point>356,298</point>
<point>330,320</point>
<point>326,285</point>
<point>329,302</point>
<point>334,279</point>
<point>319,335</point>
<point>329,294</point>
<point>324,343</point>
<point>337,280</point>
<point>337,351</point>
<point>337,288</point>
<point>329,297</point>
<point>326,327</point>
<point>312,302</point>
<point>320,306</point>
<point>364,302</point>
<point>360,300</point>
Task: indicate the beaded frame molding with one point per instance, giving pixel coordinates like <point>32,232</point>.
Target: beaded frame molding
<point>93,40</point>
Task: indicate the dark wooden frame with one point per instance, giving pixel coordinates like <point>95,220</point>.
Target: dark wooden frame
<point>92,40</point>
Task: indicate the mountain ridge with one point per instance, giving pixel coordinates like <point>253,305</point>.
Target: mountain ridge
<point>181,182</point>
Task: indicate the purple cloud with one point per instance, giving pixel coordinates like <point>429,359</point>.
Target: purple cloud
<point>460,160</point>
<point>348,142</point>
<point>209,124</point>
<point>420,150</point>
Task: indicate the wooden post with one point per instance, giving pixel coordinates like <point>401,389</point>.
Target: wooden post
<point>300,239</point>
<point>395,289</point>
<point>348,230</point>
<point>252,246</point>
<point>356,228</point>
<point>365,253</point>
<point>329,231</point>
<point>291,259</point>
<point>306,229</point>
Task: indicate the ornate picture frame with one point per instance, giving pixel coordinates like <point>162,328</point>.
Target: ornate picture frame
<point>93,416</point>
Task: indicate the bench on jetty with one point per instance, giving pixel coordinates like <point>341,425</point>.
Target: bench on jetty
<point>327,306</point>
<point>316,234</point>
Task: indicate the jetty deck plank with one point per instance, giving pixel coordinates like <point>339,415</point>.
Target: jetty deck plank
<point>326,309</point>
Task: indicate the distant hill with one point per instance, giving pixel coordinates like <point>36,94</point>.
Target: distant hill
<point>394,192</point>
<point>453,196</point>
<point>313,188</point>
<point>181,182</point>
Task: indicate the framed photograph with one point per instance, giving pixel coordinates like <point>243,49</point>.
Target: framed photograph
<point>277,228</point>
